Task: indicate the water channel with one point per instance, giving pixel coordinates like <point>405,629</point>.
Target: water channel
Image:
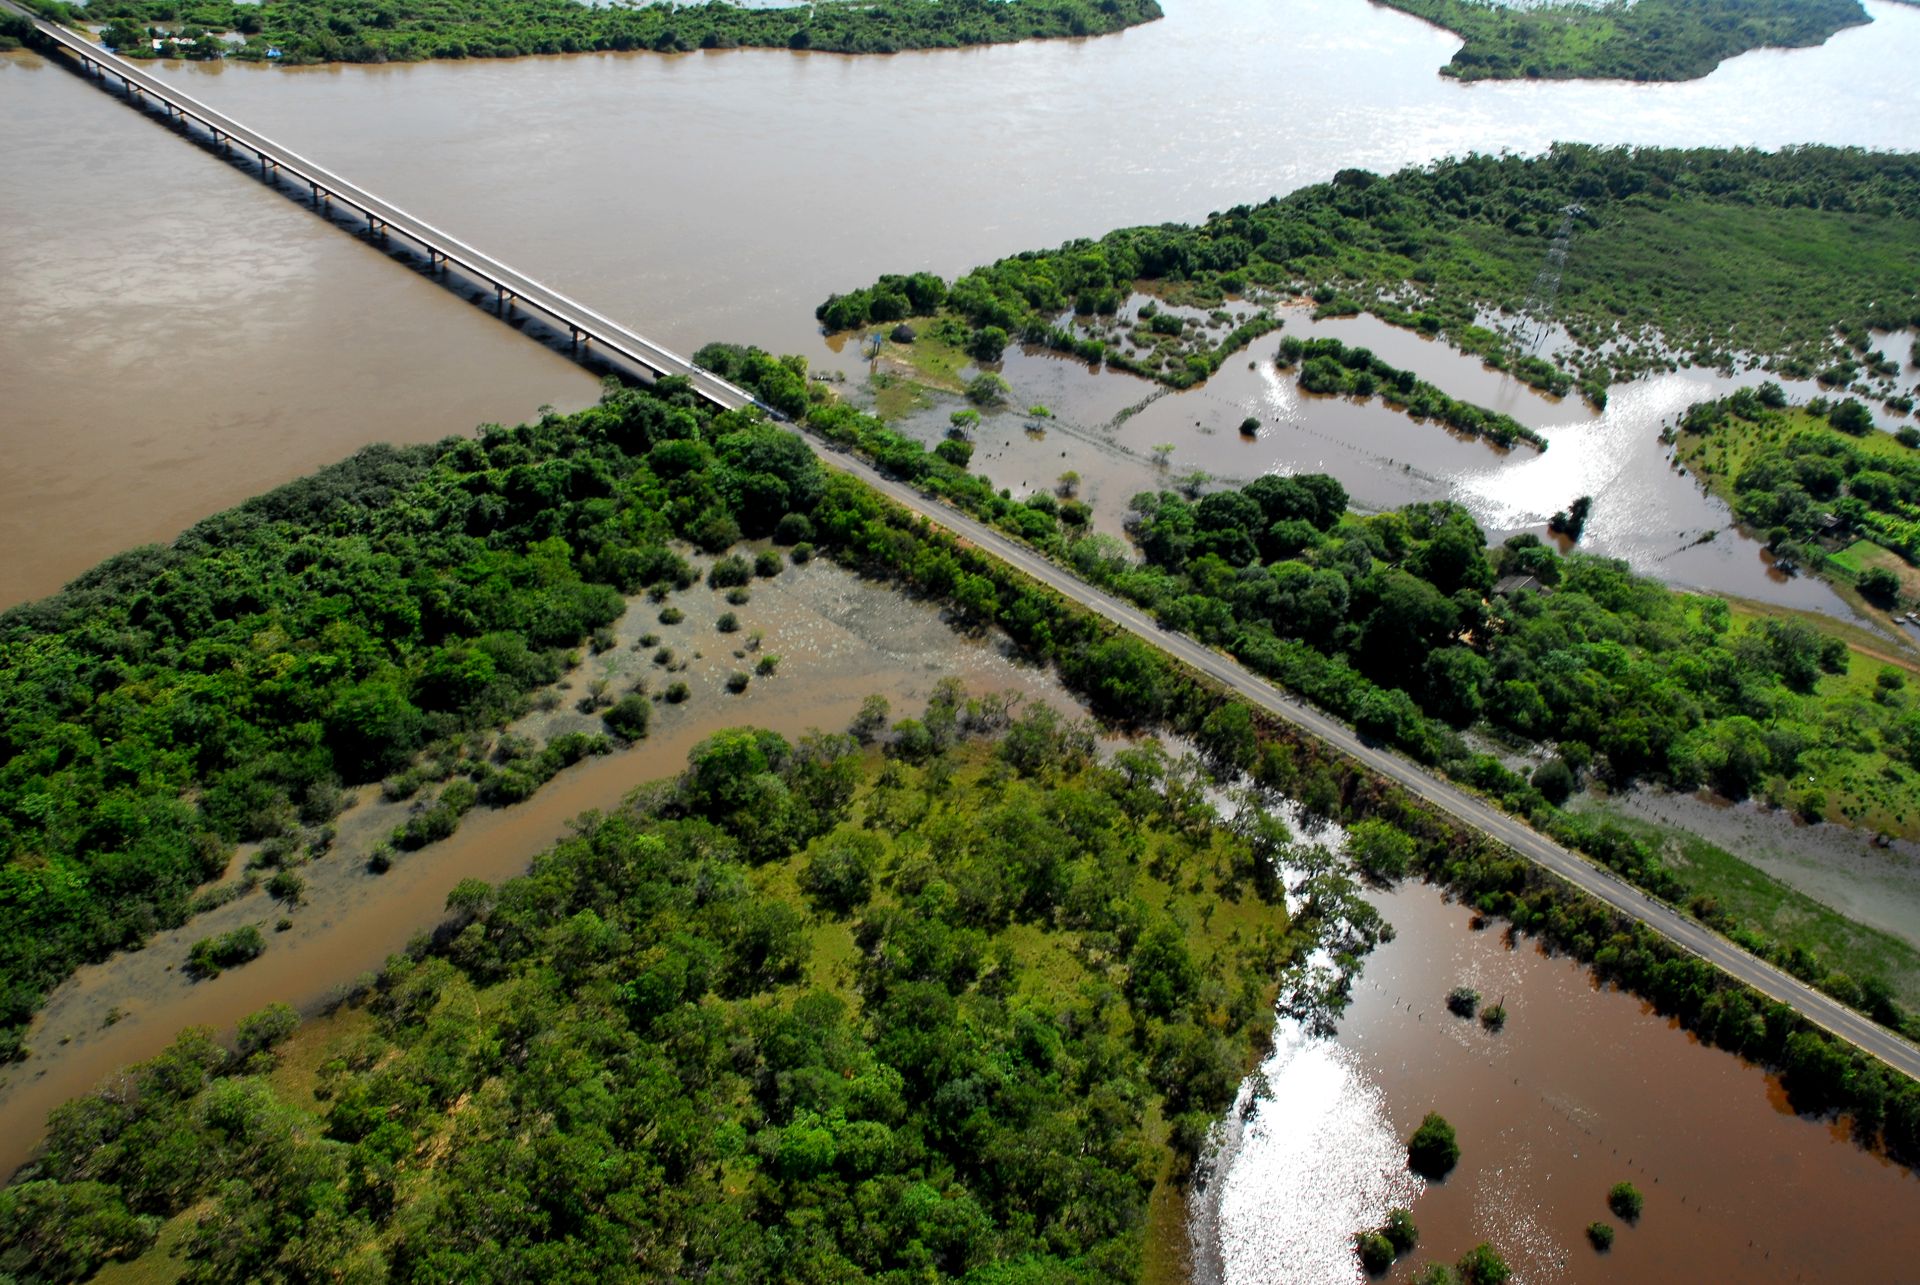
<point>175,337</point>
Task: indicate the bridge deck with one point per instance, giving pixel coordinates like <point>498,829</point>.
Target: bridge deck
<point>590,325</point>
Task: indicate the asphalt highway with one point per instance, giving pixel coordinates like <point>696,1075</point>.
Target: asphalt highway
<point>1469,809</point>
<point>1596,880</point>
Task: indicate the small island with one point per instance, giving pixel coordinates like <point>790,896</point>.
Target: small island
<point>1642,40</point>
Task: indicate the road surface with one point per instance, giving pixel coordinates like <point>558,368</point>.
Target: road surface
<point>1464,807</point>
<point>1593,879</point>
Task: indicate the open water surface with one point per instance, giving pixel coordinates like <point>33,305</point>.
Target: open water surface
<point>175,338</point>
<point>1585,1087</point>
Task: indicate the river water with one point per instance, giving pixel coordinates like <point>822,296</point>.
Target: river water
<point>1585,1087</point>
<point>840,639</point>
<point>174,338</point>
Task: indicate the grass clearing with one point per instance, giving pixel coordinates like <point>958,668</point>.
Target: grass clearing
<point>1757,899</point>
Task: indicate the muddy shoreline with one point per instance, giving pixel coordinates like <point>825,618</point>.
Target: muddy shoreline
<point>840,639</point>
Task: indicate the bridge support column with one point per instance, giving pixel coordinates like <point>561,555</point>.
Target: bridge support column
<point>436,261</point>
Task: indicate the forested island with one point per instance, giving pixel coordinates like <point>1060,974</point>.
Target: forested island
<point>1580,268</point>
<point>1819,483</point>
<point>766,1012</point>
<point>374,31</point>
<point>1624,39</point>
<point>1330,368</point>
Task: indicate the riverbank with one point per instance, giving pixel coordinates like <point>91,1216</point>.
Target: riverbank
<point>298,32</point>
<point>840,640</point>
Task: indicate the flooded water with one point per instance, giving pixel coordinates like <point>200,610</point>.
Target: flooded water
<point>173,353</point>
<point>1584,1087</point>
<point>840,639</point>
<point>1106,428</point>
<point>175,337</point>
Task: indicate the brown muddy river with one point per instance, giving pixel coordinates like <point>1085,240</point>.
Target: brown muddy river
<point>175,350</point>
<point>175,337</point>
<point>1585,1087</point>
<point>839,638</point>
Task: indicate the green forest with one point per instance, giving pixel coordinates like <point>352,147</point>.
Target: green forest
<point>374,31</point>
<point>1809,478</point>
<point>175,701</point>
<point>1672,257</point>
<point>1330,368</point>
<point>1632,40</point>
<point>1069,991</point>
<point>812,1013</point>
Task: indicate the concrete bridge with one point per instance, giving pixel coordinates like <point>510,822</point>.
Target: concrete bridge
<point>589,327</point>
<point>512,288</point>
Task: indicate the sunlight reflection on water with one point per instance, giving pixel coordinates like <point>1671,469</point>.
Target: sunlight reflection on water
<point>1317,1161</point>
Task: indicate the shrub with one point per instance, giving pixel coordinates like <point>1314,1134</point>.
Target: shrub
<point>1481,1265</point>
<point>766,563</point>
<point>1463,1001</point>
<point>1380,850</point>
<point>737,682</point>
<point>1625,1200</point>
<point>839,871</point>
<point>1433,1150</point>
<point>987,390</point>
<point>793,528</point>
<point>676,692</point>
<point>672,616</point>
<point>768,663</point>
<point>1600,1236</point>
<point>728,623</point>
<point>265,1029</point>
<point>739,597</point>
<point>1400,1230</point>
<point>287,886</point>
<point>1880,585</point>
<point>801,554</point>
<point>958,454</point>
<point>629,717</point>
<point>210,955</point>
<point>1494,1018</point>
<point>1376,1252</point>
<point>1554,780</point>
<point>730,570</point>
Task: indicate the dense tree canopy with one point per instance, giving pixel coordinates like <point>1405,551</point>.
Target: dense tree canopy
<point>1635,40</point>
<point>635,1063</point>
<point>174,701</point>
<point>1677,256</point>
<point>297,31</point>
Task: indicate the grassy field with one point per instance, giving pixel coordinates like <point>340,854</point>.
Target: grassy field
<point>1847,760</point>
<point>1864,555</point>
<point>1756,899</point>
